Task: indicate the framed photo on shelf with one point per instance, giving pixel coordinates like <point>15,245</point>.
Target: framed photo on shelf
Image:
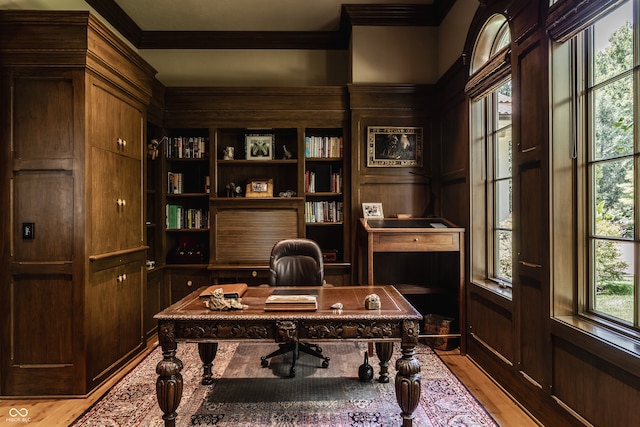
<point>394,146</point>
<point>259,147</point>
<point>372,210</point>
<point>260,188</point>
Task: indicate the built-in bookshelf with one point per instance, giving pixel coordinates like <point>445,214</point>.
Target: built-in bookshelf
<point>304,168</point>
<point>186,187</point>
<point>324,190</point>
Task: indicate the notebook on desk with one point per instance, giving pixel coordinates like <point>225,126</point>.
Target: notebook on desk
<point>299,291</point>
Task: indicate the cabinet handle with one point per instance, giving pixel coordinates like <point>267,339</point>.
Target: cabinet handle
<point>254,273</point>
<point>189,283</point>
<point>121,142</point>
<point>416,239</point>
<point>121,278</point>
<point>121,202</point>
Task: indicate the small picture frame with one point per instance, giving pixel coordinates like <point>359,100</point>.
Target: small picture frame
<point>394,146</point>
<point>372,210</point>
<point>259,188</point>
<point>259,147</point>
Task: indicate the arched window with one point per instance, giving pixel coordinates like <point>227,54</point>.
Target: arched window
<point>489,87</point>
<point>493,37</point>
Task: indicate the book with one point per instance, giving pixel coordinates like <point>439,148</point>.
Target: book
<point>230,290</point>
<point>291,303</point>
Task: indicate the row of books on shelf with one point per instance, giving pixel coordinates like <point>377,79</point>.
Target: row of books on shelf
<point>322,178</point>
<point>323,147</point>
<point>175,183</point>
<point>178,217</point>
<point>182,147</point>
<point>323,211</point>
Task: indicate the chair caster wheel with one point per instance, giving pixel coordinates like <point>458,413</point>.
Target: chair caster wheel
<point>264,362</point>
<point>292,372</point>
<point>319,349</point>
<point>325,363</point>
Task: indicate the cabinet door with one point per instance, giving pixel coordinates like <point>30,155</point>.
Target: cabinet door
<point>114,304</point>
<point>130,308</point>
<point>116,121</point>
<point>116,208</point>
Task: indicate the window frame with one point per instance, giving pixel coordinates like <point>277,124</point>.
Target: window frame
<point>572,217</point>
<point>482,88</point>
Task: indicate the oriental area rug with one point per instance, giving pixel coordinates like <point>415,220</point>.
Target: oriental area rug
<point>246,395</point>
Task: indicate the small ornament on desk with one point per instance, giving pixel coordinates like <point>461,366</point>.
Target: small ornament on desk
<point>337,306</point>
<point>372,302</point>
<point>217,302</point>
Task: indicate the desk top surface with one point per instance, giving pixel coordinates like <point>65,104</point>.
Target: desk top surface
<point>393,305</point>
<point>411,224</point>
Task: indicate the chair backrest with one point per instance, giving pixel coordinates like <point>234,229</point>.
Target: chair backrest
<point>296,262</point>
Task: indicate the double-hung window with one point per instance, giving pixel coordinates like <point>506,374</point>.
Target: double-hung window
<point>608,74</point>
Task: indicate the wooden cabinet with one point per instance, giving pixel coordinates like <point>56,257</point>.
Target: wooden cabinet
<point>422,257</point>
<point>265,129</point>
<point>183,281</point>
<point>72,158</point>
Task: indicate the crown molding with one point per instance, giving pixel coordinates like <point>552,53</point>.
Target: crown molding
<point>351,15</point>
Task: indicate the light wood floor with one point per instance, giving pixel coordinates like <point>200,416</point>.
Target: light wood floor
<point>62,412</point>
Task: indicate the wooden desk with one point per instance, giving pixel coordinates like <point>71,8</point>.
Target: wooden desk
<point>190,320</point>
<point>413,235</point>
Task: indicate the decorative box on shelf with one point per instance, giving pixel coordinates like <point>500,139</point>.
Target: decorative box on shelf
<point>330,255</point>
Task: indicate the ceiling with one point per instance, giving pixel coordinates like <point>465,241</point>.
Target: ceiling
<point>218,42</point>
<point>259,24</point>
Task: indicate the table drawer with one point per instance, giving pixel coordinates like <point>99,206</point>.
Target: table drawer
<point>416,242</point>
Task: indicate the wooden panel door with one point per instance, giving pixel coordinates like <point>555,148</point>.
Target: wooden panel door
<point>114,318</point>
<point>116,186</point>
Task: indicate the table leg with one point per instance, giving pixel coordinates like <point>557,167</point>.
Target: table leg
<point>408,384</point>
<point>384,351</point>
<point>169,385</point>
<point>207,351</point>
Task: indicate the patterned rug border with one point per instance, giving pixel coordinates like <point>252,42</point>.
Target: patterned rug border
<point>188,410</point>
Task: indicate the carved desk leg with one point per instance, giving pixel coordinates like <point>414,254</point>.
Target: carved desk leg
<point>384,351</point>
<point>408,374</point>
<point>207,351</point>
<point>169,383</point>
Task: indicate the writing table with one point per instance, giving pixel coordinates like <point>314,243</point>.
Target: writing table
<point>415,236</point>
<point>190,320</point>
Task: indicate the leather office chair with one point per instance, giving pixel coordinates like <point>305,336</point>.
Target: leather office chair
<point>296,262</point>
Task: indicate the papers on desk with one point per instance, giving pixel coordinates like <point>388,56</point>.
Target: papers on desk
<point>438,225</point>
<point>291,303</point>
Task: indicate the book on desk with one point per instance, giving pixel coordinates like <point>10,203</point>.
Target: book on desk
<point>229,290</point>
<point>291,302</point>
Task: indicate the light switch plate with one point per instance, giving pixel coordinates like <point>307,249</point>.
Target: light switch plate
<point>28,231</point>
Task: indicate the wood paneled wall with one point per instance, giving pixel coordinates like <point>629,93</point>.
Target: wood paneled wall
<point>562,372</point>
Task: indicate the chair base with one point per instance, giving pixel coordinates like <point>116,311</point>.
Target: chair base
<point>296,347</point>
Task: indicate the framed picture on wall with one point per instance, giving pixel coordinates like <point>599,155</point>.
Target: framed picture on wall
<point>372,210</point>
<point>389,146</point>
<point>259,147</point>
